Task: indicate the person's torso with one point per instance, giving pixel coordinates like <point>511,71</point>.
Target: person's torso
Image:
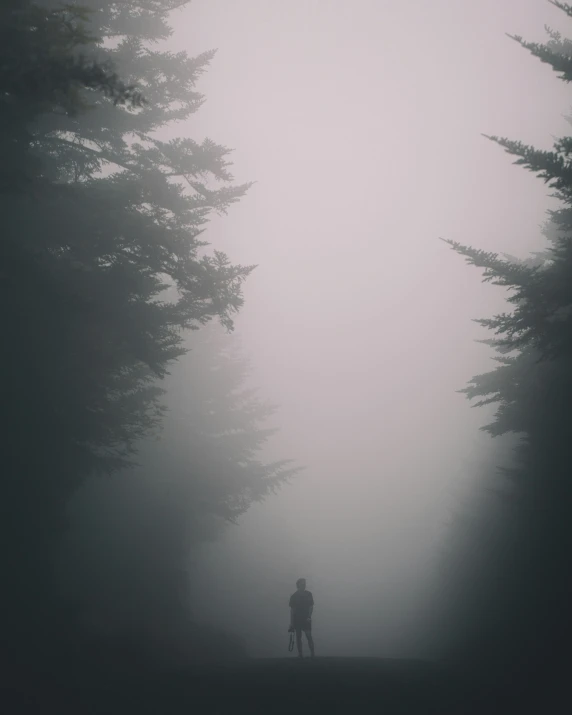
<point>301,602</point>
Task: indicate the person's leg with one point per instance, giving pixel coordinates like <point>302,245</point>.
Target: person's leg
<point>299,641</point>
<point>310,641</point>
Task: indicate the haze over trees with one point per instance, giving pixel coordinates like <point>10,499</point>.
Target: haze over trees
<point>129,550</point>
<point>133,433</point>
<point>105,270</point>
<point>521,569</point>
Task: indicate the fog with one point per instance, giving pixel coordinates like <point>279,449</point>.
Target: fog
<point>361,124</point>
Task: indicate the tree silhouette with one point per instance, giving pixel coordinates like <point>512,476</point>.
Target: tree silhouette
<point>96,228</point>
<point>129,549</point>
<point>526,620</point>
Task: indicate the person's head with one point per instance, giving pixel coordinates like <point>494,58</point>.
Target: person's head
<point>301,584</point>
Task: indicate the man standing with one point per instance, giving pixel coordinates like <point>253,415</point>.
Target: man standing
<point>301,608</point>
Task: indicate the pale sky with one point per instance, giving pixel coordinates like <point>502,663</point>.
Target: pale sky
<point>361,123</point>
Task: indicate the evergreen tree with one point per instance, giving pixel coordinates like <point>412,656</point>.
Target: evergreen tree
<point>95,229</point>
<point>529,576</point>
<point>129,550</point>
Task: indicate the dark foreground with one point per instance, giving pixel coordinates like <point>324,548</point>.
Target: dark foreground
<point>285,685</point>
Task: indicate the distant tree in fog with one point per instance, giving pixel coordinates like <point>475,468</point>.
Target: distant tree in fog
<point>129,547</point>
<point>527,569</point>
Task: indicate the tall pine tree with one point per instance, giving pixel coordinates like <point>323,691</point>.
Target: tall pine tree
<point>95,228</point>
<point>526,622</point>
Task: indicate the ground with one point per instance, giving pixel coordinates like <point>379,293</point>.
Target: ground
<point>355,686</point>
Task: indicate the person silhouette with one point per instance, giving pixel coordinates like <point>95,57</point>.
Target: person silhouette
<point>301,609</point>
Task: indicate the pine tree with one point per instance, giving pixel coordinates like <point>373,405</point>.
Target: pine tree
<point>528,616</point>
<point>95,229</point>
<point>129,550</point>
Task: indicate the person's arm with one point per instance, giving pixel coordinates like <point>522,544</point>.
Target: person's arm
<point>291,617</point>
<point>311,611</point>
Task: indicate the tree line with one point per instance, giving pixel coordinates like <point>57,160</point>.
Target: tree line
<point>107,282</point>
<point>112,298</point>
<point>519,625</point>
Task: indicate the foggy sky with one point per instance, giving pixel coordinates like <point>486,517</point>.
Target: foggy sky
<point>361,123</point>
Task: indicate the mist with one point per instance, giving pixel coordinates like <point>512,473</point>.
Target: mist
<point>363,128</point>
<point>298,413</point>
